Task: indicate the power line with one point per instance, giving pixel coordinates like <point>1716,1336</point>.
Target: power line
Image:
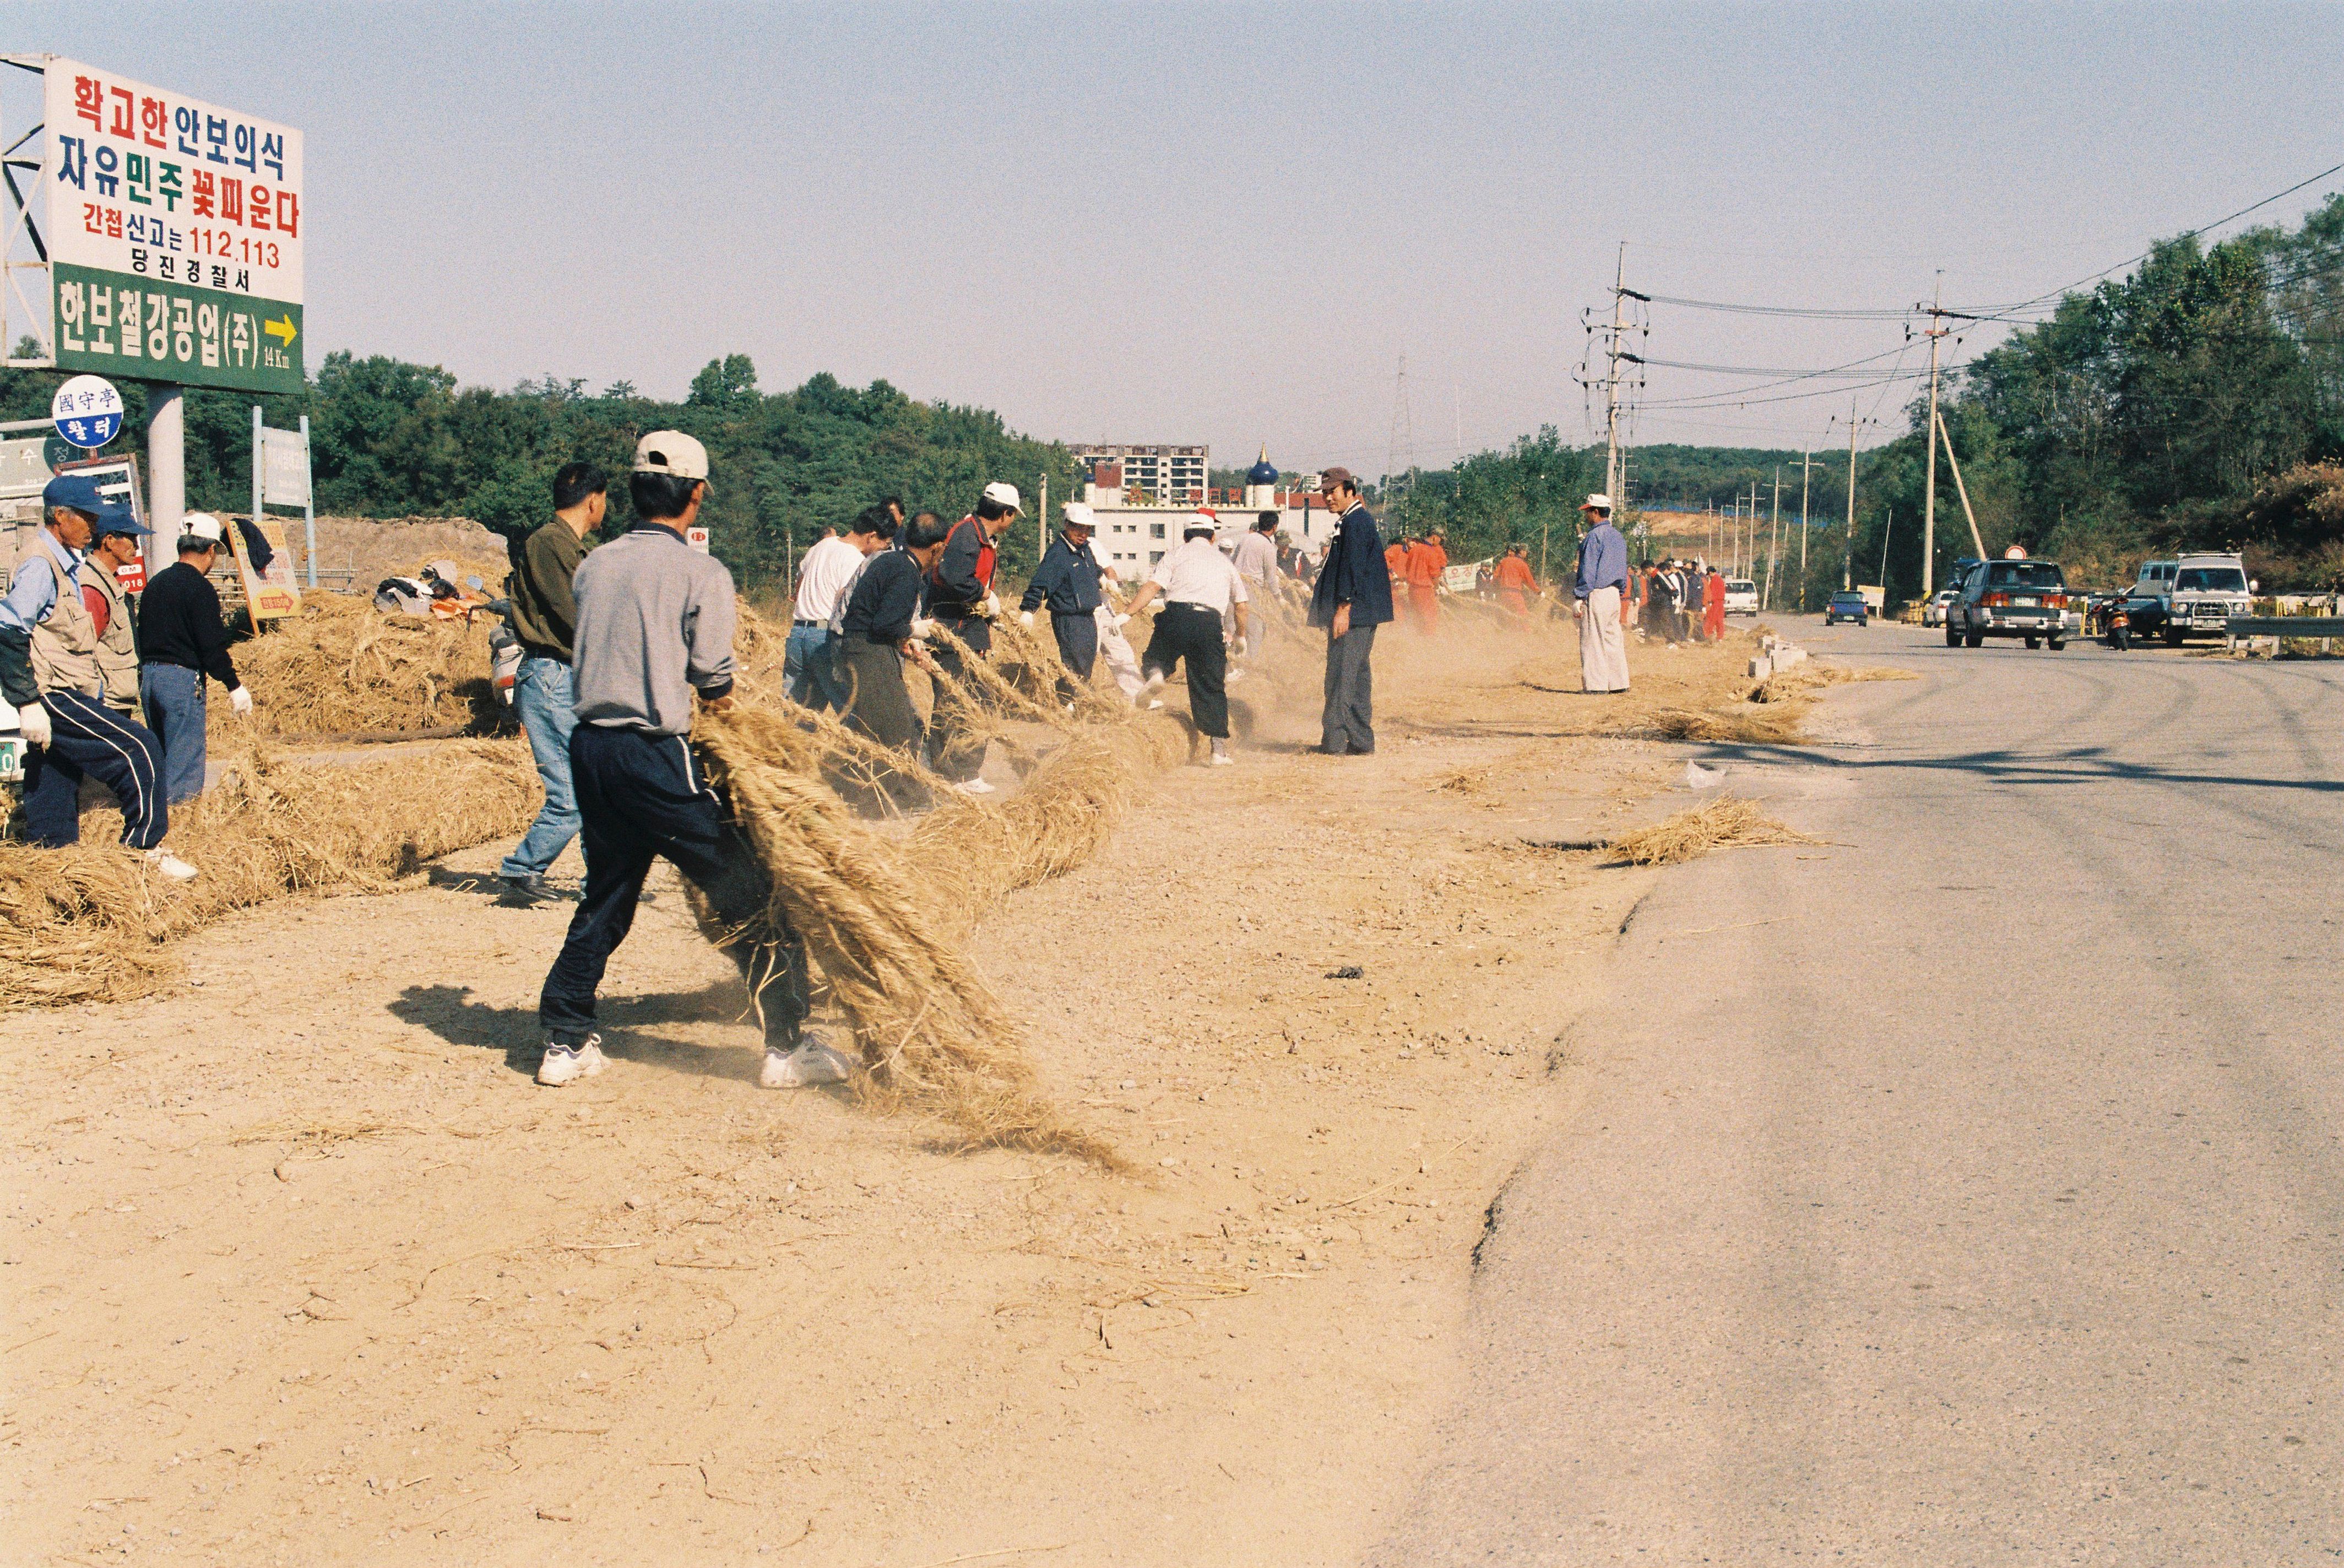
<point>1793,371</point>
<point>1996,313</point>
<point>1733,394</point>
<point>1804,312</point>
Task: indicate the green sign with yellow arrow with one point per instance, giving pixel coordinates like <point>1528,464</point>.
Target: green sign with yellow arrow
<point>179,328</point>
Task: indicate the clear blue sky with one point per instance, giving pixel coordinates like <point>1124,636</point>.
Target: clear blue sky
<point>1225,223</point>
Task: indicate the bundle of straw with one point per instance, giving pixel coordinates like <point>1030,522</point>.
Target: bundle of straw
<point>1723,823</point>
<point>83,924</point>
<point>932,1031</point>
<point>342,667</point>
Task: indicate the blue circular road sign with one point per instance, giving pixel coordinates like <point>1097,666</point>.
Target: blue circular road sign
<point>88,410</point>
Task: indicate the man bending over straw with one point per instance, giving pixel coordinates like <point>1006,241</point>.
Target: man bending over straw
<point>654,628</point>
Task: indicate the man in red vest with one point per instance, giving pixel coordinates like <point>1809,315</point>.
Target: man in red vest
<point>961,599</point>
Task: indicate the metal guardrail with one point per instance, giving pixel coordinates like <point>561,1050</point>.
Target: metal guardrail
<point>2297,628</point>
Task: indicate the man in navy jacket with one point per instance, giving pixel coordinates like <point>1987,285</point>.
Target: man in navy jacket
<point>1353,597</point>
<point>1068,581</point>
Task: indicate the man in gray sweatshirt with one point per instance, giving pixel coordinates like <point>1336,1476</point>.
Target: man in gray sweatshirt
<point>654,633</point>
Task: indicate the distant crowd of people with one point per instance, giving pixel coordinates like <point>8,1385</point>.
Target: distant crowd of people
<point>1678,602</point>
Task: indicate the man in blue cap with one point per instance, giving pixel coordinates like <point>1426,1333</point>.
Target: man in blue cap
<point>49,672</point>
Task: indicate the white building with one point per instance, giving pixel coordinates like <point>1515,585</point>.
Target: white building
<point>1144,495</point>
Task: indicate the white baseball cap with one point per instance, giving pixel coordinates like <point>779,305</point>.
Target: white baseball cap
<point>1078,514</point>
<point>1599,501</point>
<point>671,452</point>
<point>1003,494</point>
<point>201,525</point>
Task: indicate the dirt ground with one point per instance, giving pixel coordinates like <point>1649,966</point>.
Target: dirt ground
<point>303,1267</point>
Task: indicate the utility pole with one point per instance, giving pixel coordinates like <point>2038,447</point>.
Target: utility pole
<point>1402,451</point>
<point>1611,379</point>
<point>1775,535</point>
<point>1806,472</point>
<point>1615,354</point>
<point>1848,571</point>
<point>1750,533</point>
<point>1960,488</point>
<point>1936,331</point>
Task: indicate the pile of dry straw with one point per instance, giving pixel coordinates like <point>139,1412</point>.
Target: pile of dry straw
<point>1725,822</point>
<point>85,924</point>
<point>344,669</point>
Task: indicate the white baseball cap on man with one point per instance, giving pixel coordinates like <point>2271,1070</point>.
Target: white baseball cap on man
<point>671,452</point>
<point>1002,495</point>
<point>1078,514</point>
<point>202,525</point>
<point>1599,501</point>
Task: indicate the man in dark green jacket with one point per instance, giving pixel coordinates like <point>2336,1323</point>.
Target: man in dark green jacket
<point>545,617</point>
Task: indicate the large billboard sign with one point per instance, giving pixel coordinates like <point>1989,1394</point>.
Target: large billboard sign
<point>173,233</point>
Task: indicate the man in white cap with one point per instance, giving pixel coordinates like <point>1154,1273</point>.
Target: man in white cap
<point>653,638</point>
<point>961,599</point>
<point>182,640</point>
<point>1067,580</point>
<point>1596,600</point>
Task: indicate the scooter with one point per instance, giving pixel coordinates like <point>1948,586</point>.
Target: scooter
<point>2119,626</point>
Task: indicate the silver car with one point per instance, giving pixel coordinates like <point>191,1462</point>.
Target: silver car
<point>2009,599</point>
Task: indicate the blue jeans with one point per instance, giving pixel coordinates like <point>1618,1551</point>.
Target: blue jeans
<point>810,664</point>
<point>542,697</point>
<point>173,698</point>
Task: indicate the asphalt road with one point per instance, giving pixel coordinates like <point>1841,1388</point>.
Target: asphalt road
<point>1968,1192</point>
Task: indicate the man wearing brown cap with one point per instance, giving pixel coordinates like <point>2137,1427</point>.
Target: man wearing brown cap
<point>1352,598</point>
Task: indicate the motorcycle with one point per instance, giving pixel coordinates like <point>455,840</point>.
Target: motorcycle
<point>2118,618</point>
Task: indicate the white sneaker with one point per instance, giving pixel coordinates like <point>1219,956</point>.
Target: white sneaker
<point>812,1063</point>
<point>973,787</point>
<point>568,1064</point>
<point>1220,760</point>
<point>169,865</point>
<point>1149,687</point>
<point>1156,705</point>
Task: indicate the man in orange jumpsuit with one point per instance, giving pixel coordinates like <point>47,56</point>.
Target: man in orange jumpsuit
<point>1515,582</point>
<point>1426,562</point>
<point>1396,563</point>
<point>1712,606</point>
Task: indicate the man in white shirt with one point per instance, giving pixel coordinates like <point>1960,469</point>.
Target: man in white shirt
<point>1198,585</point>
<point>810,663</point>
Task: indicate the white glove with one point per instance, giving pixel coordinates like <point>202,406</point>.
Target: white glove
<point>34,720</point>
<point>1239,647</point>
<point>240,699</point>
<point>992,605</point>
<point>1121,621</point>
<point>920,627</point>
<point>1026,619</point>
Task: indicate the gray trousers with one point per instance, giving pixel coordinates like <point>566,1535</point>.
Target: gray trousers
<point>1348,724</point>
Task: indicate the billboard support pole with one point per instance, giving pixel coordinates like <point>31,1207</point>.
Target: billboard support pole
<point>167,459</point>
<point>33,323</point>
<point>310,507</point>
<point>259,456</point>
